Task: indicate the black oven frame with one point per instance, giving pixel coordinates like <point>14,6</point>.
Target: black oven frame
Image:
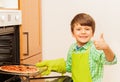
<point>16,53</point>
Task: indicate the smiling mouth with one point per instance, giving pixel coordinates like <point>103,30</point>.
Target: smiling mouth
<point>83,36</point>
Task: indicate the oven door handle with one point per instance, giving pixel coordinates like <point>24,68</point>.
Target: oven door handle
<point>27,39</point>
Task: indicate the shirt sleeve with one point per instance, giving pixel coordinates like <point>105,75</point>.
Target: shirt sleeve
<point>69,59</point>
<point>109,62</point>
<point>99,56</point>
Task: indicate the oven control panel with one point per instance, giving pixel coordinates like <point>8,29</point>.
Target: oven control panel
<point>10,17</point>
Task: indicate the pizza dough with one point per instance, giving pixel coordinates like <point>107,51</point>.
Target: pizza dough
<point>19,69</point>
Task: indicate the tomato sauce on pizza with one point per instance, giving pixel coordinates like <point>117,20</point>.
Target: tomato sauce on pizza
<point>19,69</point>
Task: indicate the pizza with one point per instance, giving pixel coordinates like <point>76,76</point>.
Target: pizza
<point>19,69</point>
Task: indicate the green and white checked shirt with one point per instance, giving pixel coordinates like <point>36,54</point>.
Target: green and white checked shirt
<point>97,60</point>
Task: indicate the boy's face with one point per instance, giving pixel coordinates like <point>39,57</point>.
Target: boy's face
<point>82,34</point>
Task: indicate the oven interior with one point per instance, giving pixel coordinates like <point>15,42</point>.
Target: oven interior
<point>9,50</point>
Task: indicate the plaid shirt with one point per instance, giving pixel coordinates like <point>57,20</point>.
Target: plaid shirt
<point>97,60</point>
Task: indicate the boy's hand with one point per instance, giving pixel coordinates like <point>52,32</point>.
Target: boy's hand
<point>100,44</point>
<point>56,65</point>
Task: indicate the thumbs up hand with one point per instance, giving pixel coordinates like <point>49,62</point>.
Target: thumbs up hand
<point>100,44</point>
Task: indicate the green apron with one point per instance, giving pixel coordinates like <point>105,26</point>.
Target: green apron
<point>80,67</point>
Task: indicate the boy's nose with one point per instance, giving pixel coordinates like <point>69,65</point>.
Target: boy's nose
<point>83,31</point>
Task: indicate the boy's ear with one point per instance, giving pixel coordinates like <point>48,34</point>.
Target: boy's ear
<point>72,34</point>
<point>93,35</point>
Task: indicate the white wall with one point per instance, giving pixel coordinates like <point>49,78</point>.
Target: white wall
<point>57,15</point>
<point>9,4</point>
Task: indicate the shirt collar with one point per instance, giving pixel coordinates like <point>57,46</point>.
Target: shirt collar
<point>86,46</point>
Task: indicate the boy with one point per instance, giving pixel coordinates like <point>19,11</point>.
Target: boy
<point>86,58</point>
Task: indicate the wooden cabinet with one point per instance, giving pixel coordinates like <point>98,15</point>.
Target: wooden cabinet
<point>30,31</point>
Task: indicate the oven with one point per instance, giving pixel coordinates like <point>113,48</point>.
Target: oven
<point>10,21</point>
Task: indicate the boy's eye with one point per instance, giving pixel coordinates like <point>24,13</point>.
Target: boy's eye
<point>78,29</point>
<point>87,29</point>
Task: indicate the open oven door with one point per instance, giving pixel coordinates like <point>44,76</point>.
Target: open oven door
<point>52,79</point>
